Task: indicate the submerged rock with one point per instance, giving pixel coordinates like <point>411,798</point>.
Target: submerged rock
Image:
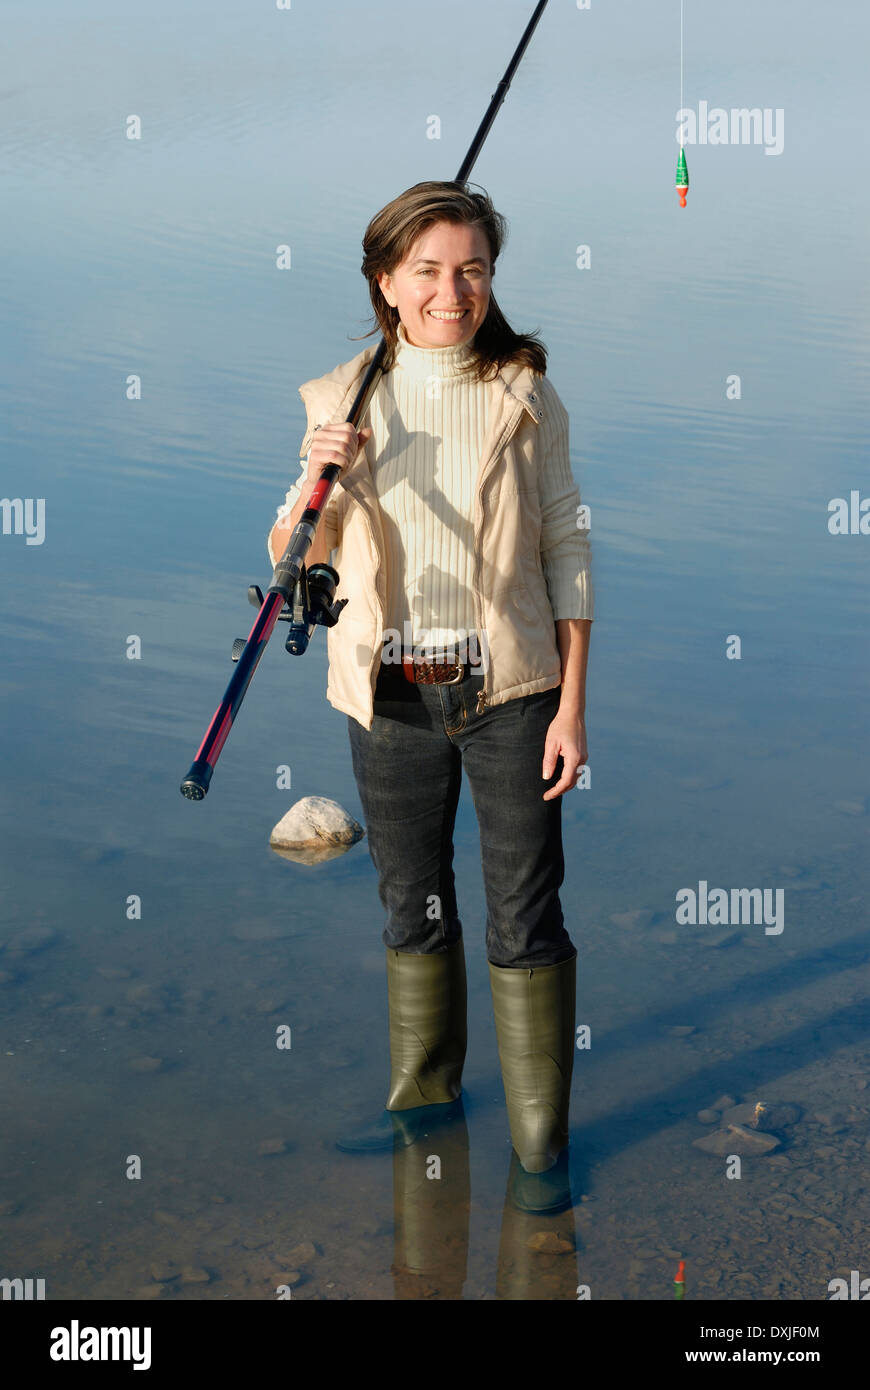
<point>701,784</point>
<point>301,1254</point>
<point>272,1146</point>
<point>719,939</point>
<point>736,1140</point>
<point>629,921</point>
<point>31,940</point>
<point>269,1006</point>
<point>548,1243</point>
<point>315,829</point>
<point>834,1119</point>
<point>762,1115</point>
<point>145,1064</point>
<point>149,1292</point>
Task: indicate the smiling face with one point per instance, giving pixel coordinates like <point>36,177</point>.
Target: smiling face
<point>441,289</point>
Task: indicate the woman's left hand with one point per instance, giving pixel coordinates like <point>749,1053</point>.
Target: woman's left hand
<point>566,735</point>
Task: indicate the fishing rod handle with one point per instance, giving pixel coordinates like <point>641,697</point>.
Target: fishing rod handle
<point>289,567</point>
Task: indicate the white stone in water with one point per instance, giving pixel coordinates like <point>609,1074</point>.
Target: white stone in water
<point>316,824</point>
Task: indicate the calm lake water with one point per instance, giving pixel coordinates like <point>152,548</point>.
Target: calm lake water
<point>156,257</point>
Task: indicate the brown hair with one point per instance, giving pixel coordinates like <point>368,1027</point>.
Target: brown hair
<point>390,236</point>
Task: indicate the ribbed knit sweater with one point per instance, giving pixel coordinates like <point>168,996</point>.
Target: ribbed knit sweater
<point>428,430</point>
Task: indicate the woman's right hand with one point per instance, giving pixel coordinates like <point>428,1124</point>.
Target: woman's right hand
<point>335,444</point>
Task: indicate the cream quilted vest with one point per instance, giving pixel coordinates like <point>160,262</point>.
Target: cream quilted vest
<point>510,591</point>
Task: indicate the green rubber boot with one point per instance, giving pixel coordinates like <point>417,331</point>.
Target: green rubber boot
<point>428,1033</point>
<point>534,1024</point>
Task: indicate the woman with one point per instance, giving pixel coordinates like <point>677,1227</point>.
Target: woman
<point>463,646</point>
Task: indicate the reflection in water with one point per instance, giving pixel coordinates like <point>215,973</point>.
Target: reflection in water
<point>431,1212</point>
<point>432,1206</point>
<point>536,1258</point>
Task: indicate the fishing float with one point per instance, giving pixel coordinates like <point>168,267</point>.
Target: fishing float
<point>682,179</point>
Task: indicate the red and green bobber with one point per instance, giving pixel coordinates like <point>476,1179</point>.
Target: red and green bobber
<point>682,177</point>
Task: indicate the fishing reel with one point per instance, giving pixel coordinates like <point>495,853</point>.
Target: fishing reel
<point>313,602</point>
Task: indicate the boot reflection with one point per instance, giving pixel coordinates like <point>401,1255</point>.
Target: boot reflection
<point>537,1253</point>
<point>431,1209</point>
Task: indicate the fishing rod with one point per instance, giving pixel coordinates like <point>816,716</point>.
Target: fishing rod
<point>296,596</point>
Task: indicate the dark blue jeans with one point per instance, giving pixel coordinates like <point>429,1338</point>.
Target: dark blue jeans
<point>408,769</point>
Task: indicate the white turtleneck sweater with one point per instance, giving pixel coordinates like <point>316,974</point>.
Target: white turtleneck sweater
<point>428,430</point>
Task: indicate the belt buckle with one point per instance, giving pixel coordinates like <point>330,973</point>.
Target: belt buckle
<point>457,666</point>
<point>454,680</point>
<point>423,672</point>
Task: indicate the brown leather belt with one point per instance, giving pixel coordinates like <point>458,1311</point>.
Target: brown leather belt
<point>449,672</point>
